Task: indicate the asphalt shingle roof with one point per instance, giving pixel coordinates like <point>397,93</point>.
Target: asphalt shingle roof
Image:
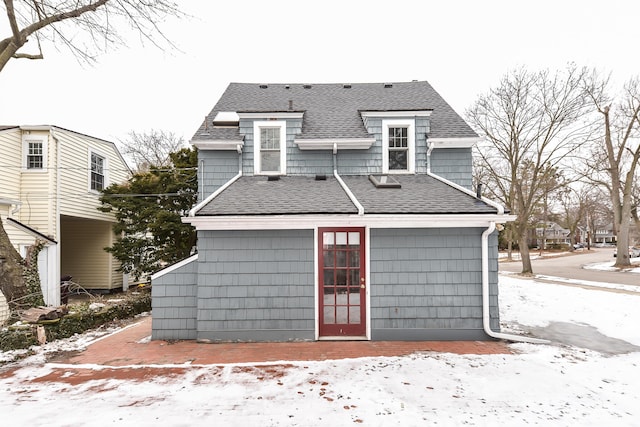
<point>290,195</point>
<point>333,110</point>
<point>419,194</point>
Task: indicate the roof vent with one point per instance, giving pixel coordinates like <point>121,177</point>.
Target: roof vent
<point>287,86</point>
<point>384,181</point>
<point>388,85</point>
<point>306,86</point>
<point>263,86</point>
<point>321,177</point>
<point>273,178</point>
<point>347,86</point>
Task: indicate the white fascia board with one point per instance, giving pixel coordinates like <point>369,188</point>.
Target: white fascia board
<point>36,127</point>
<point>218,144</point>
<point>454,142</point>
<point>311,222</point>
<point>173,267</point>
<point>340,143</point>
<point>271,115</point>
<point>392,114</point>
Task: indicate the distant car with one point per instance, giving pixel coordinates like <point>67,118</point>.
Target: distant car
<point>578,245</point>
<point>634,252</point>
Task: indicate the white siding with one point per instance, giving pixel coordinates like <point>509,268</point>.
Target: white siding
<point>77,199</point>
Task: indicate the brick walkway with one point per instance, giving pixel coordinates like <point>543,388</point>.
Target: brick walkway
<point>129,347</point>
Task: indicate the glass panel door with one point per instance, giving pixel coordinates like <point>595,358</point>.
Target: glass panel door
<point>342,286</point>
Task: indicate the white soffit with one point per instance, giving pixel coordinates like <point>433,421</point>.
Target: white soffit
<point>392,114</point>
<point>218,144</point>
<point>341,144</point>
<point>293,222</point>
<point>454,142</point>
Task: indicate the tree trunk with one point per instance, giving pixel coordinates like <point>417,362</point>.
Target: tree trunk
<point>12,282</point>
<point>524,254</point>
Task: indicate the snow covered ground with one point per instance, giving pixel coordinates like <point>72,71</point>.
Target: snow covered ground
<point>555,384</point>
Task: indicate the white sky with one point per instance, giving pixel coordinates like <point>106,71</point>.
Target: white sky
<point>461,47</point>
<point>550,385</point>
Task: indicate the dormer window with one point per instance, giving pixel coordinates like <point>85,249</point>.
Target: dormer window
<point>270,147</point>
<point>398,145</point>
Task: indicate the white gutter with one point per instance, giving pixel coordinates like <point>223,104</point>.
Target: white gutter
<point>213,195</point>
<point>486,320</point>
<point>344,186</point>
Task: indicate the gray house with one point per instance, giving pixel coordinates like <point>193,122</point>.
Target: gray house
<point>334,211</point>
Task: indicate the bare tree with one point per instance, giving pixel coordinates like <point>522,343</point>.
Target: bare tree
<point>86,27</point>
<point>619,146</point>
<point>12,284</point>
<point>532,123</point>
<point>151,148</point>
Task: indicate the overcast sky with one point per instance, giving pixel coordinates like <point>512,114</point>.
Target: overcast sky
<point>461,47</point>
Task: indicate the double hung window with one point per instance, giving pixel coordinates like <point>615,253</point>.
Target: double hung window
<point>270,147</point>
<point>398,141</point>
<point>34,154</point>
<point>97,179</point>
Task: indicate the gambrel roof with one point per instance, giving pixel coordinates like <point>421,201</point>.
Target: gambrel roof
<point>334,110</point>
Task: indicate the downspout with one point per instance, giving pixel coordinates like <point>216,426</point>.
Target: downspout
<point>226,185</point>
<point>202,179</point>
<point>486,320</point>
<point>58,255</point>
<point>344,186</point>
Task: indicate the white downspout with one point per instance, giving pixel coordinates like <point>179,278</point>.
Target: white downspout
<point>55,285</point>
<point>344,186</point>
<point>486,320</point>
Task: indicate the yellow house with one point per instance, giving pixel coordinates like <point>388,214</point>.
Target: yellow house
<point>50,181</point>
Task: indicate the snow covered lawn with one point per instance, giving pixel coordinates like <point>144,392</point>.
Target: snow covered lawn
<point>537,385</point>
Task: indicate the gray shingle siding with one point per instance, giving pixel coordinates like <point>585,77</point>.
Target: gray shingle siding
<point>454,164</point>
<point>256,285</point>
<point>426,284</point>
<point>174,304</point>
<point>215,168</point>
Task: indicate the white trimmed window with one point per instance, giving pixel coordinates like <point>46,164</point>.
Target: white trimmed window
<point>270,147</point>
<point>35,154</point>
<point>97,171</point>
<point>398,146</point>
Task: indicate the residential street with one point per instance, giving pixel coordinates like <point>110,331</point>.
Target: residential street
<point>570,266</point>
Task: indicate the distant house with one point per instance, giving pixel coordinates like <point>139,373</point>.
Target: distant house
<point>333,211</point>
<point>50,180</point>
<point>551,233</point>
<point>604,233</point>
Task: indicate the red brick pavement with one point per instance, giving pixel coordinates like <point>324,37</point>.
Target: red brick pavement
<point>129,347</point>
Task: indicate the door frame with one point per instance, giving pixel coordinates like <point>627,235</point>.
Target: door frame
<point>316,285</point>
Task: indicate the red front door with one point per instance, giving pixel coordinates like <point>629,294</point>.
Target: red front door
<point>342,284</point>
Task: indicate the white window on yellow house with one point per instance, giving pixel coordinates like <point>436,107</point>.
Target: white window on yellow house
<point>35,154</point>
<point>97,178</point>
